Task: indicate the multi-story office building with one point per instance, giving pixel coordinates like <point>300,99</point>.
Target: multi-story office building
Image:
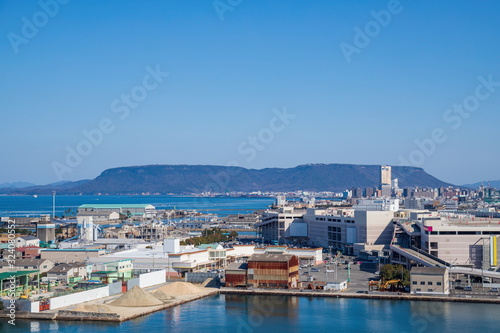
<point>385,175</point>
<point>390,204</point>
<point>331,228</point>
<point>282,225</point>
<point>350,230</point>
<point>385,180</point>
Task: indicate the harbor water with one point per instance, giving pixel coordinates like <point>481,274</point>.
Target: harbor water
<point>251,313</point>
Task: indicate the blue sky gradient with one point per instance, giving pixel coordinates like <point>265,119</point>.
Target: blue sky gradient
<point>227,76</point>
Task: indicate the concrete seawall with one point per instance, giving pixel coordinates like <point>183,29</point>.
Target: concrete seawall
<point>113,317</point>
<point>377,296</point>
<point>97,316</point>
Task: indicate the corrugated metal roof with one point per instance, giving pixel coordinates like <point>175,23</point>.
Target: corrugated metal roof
<point>66,267</point>
<point>429,270</point>
<point>236,266</point>
<point>7,275</point>
<point>271,257</point>
<point>25,262</point>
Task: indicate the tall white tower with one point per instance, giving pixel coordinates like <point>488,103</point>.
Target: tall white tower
<point>385,175</point>
<point>385,180</point>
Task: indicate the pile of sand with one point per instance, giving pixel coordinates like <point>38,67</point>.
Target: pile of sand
<point>99,308</point>
<point>136,297</point>
<point>179,288</point>
<point>160,294</point>
<point>206,282</point>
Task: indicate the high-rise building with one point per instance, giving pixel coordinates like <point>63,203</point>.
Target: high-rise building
<point>385,180</point>
<point>369,192</point>
<point>395,184</point>
<point>385,175</point>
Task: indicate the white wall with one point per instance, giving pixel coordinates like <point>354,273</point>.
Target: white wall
<point>115,288</point>
<point>84,296</point>
<point>241,250</point>
<point>132,283</point>
<point>171,245</point>
<point>35,307</point>
<point>153,278</point>
<point>316,253</point>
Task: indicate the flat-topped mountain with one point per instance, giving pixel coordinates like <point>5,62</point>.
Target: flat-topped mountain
<point>185,179</point>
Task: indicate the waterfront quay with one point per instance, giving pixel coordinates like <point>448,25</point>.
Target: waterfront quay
<point>104,311</point>
<point>71,314</point>
<point>364,295</point>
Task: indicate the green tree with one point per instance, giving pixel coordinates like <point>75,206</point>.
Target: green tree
<point>392,272</point>
<point>213,235</point>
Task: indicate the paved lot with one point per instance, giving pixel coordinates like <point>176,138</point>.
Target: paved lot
<point>360,274</point>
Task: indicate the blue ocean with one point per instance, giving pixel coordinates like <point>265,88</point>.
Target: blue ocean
<point>27,206</point>
<point>239,313</point>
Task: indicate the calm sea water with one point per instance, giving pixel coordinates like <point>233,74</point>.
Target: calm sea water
<point>238,313</point>
<point>31,206</point>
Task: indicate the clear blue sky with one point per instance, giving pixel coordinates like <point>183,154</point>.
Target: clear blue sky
<point>226,76</point>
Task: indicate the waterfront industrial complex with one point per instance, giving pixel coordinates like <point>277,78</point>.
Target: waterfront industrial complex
<point>427,243</point>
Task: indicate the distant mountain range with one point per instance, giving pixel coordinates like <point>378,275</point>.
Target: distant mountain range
<point>493,183</point>
<point>187,179</point>
<point>42,189</point>
<point>16,185</point>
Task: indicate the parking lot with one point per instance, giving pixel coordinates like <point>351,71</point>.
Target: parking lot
<point>360,273</point>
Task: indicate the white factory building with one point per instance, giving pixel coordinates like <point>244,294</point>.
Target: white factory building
<point>130,210</point>
<point>177,259</point>
<point>348,230</point>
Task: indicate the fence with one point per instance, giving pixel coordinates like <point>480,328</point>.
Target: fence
<point>200,277</point>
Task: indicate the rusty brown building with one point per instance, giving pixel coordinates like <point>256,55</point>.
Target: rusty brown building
<point>273,271</point>
<point>236,274</point>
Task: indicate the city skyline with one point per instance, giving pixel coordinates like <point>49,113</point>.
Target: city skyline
<point>91,86</point>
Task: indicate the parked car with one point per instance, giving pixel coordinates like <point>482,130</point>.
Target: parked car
<point>494,290</point>
<point>468,288</point>
<point>314,270</point>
